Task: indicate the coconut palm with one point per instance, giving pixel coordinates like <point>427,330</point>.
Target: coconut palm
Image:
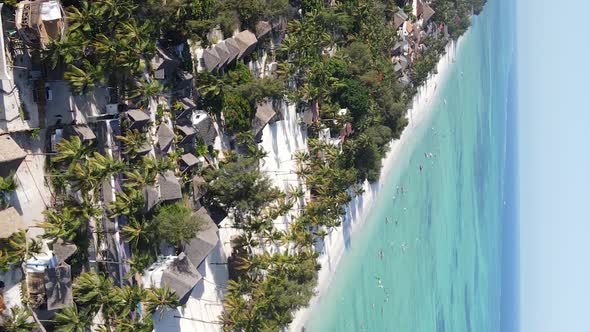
<point>19,320</point>
<point>133,142</point>
<point>63,51</point>
<point>70,150</point>
<point>159,299</point>
<point>118,9</point>
<point>95,293</point>
<point>139,36</point>
<point>82,19</point>
<point>64,224</point>
<point>145,91</point>
<point>21,247</point>
<point>126,204</point>
<point>136,232</point>
<point>129,297</point>
<point>7,185</point>
<point>84,79</point>
<point>136,179</point>
<point>71,320</point>
<point>103,166</point>
<point>83,178</point>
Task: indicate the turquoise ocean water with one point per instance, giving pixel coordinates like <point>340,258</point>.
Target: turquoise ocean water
<point>438,255</point>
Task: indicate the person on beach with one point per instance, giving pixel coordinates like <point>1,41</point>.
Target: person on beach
<point>420,168</point>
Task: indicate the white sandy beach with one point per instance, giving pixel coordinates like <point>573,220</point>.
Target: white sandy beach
<point>359,208</point>
<point>282,139</point>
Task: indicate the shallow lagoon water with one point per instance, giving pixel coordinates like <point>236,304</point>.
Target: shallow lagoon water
<point>432,256</point>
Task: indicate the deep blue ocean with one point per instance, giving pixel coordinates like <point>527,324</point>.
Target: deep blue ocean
<point>439,251</point>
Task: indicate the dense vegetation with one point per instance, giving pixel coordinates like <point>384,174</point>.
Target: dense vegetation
<point>335,55</point>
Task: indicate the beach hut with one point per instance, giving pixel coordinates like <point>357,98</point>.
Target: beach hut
<point>199,247</point>
<point>399,18</point>
<point>187,161</point>
<point>233,49</point>
<point>223,53</point>
<point>151,197</point>
<point>165,136</point>
<point>12,155</point>
<point>138,118</point>
<point>211,59</point>
<point>205,128</point>
<point>164,64</point>
<point>427,13</point>
<point>262,29</point>
<point>264,114</point>
<point>176,272</point>
<point>63,250</point>
<point>11,222</point>
<point>170,188</point>
<point>246,42</point>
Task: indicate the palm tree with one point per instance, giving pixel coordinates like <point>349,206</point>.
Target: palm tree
<point>133,142</point>
<point>136,179</point>
<point>120,10</point>
<point>95,293</point>
<point>126,204</point>
<point>137,232</point>
<point>71,320</point>
<point>138,35</point>
<point>129,297</point>
<point>85,78</point>
<point>21,248</point>
<point>146,91</point>
<point>7,186</point>
<point>64,51</point>
<point>104,166</point>
<point>64,224</point>
<point>159,299</point>
<point>19,320</point>
<point>82,19</point>
<point>69,151</point>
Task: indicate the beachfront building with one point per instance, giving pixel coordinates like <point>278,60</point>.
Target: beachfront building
<point>180,272</point>
<point>11,157</point>
<point>40,21</point>
<point>264,114</point>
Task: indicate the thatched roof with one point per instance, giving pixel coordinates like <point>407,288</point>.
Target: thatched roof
<point>170,188</point>
<point>427,13</point>
<point>223,53</point>
<point>138,117</point>
<point>233,48</point>
<point>164,64</point>
<point>181,276</point>
<point>262,28</point>
<point>206,129</point>
<point>264,113</point>
<point>151,197</point>
<point>12,155</point>
<point>63,250</point>
<point>399,18</point>
<point>82,131</point>
<point>200,247</point>
<point>211,59</point>
<point>199,187</point>
<point>189,160</point>
<point>58,287</point>
<point>186,130</point>
<point>246,41</point>
<point>165,136</point>
<point>10,222</point>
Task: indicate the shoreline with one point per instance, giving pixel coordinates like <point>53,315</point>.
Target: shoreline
<point>359,208</point>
